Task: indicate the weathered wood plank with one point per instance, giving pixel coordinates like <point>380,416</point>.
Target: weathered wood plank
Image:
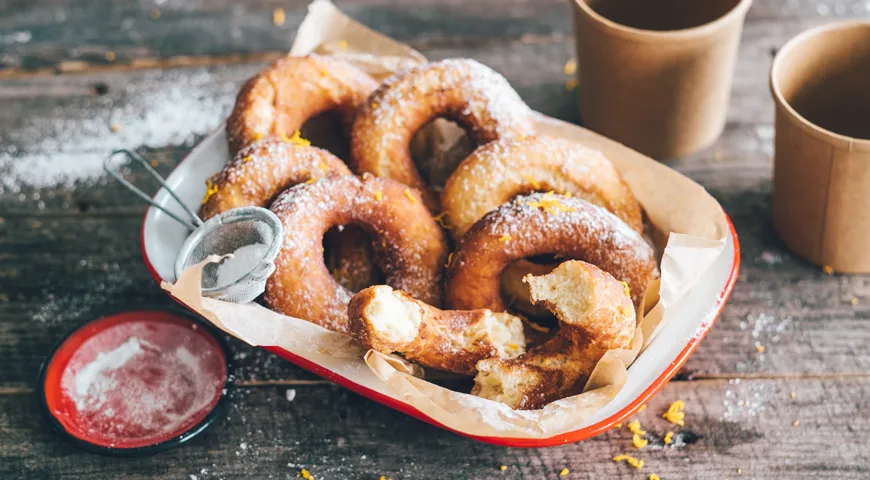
<point>47,33</point>
<point>338,435</point>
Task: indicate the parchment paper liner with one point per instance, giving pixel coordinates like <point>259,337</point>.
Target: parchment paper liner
<point>675,205</point>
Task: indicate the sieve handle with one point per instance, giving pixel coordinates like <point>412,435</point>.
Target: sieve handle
<point>194,221</point>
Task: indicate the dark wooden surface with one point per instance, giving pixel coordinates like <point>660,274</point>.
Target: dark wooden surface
<point>69,251</point>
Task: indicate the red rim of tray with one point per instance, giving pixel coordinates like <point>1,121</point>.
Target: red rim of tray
<point>562,439</point>
<point>57,407</point>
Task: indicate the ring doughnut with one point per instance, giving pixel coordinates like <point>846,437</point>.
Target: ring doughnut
<point>500,170</point>
<point>280,99</point>
<point>262,170</point>
<point>544,224</point>
<point>465,91</point>
<point>595,315</point>
<point>409,247</point>
<point>391,321</point>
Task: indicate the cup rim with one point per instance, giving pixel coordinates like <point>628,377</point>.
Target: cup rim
<point>837,139</point>
<point>683,34</point>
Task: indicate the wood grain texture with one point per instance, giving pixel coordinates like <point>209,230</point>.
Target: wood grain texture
<point>338,435</point>
<point>70,251</point>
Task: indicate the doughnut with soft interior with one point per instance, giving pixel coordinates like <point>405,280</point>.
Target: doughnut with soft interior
<point>280,99</point>
<point>462,90</point>
<point>391,321</point>
<point>409,246</point>
<point>544,224</point>
<point>595,315</point>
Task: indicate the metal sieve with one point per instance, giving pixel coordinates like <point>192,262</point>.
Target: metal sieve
<point>220,235</point>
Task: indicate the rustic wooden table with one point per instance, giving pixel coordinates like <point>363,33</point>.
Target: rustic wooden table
<point>78,79</point>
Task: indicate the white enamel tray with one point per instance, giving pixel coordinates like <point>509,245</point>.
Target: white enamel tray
<point>689,319</point>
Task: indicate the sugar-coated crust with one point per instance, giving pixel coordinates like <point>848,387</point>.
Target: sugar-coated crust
<point>262,170</point>
<point>409,246</point>
<point>542,224</point>
<point>441,339</point>
<point>500,170</point>
<point>462,90</point>
<point>560,367</point>
<point>280,99</point>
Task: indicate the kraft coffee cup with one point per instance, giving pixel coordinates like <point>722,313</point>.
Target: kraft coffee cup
<point>820,81</point>
<point>656,75</point>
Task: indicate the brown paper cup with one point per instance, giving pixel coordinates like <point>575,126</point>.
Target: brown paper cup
<point>656,75</point>
<point>820,82</point>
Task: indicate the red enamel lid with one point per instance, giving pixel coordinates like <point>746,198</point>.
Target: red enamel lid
<point>135,382</point>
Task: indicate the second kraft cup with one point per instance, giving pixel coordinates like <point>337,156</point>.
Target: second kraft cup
<point>820,82</point>
<point>656,75</point>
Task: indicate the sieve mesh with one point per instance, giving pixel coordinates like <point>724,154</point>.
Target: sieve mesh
<point>225,234</point>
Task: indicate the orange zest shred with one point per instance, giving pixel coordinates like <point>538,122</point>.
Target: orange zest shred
<point>247,158</point>
<point>305,474</point>
<point>550,204</point>
<point>618,425</point>
<point>211,189</point>
<point>441,220</point>
<point>310,181</point>
<point>571,84</point>
<point>638,442</point>
<point>504,238</point>
<point>828,269</point>
<point>535,184</point>
<point>760,348</point>
<point>564,472</point>
<point>628,294</point>
<point>296,139</point>
<point>675,413</point>
<point>257,136</point>
<point>449,259</point>
<point>278,17</point>
<point>669,438</point>
<point>634,462</point>
<point>503,468</point>
<point>634,427</point>
<point>410,196</point>
<point>570,67</point>
<point>379,196</point>
<point>374,105</point>
<point>653,476</point>
<point>642,407</point>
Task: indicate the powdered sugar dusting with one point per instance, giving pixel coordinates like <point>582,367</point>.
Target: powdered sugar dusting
<point>151,118</point>
<point>409,246</point>
<point>139,381</point>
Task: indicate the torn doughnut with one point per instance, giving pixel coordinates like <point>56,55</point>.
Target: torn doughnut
<point>280,99</point>
<point>595,315</point>
<point>408,245</point>
<point>500,170</point>
<point>391,321</point>
<point>262,170</point>
<point>545,224</point>
<point>462,90</point>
